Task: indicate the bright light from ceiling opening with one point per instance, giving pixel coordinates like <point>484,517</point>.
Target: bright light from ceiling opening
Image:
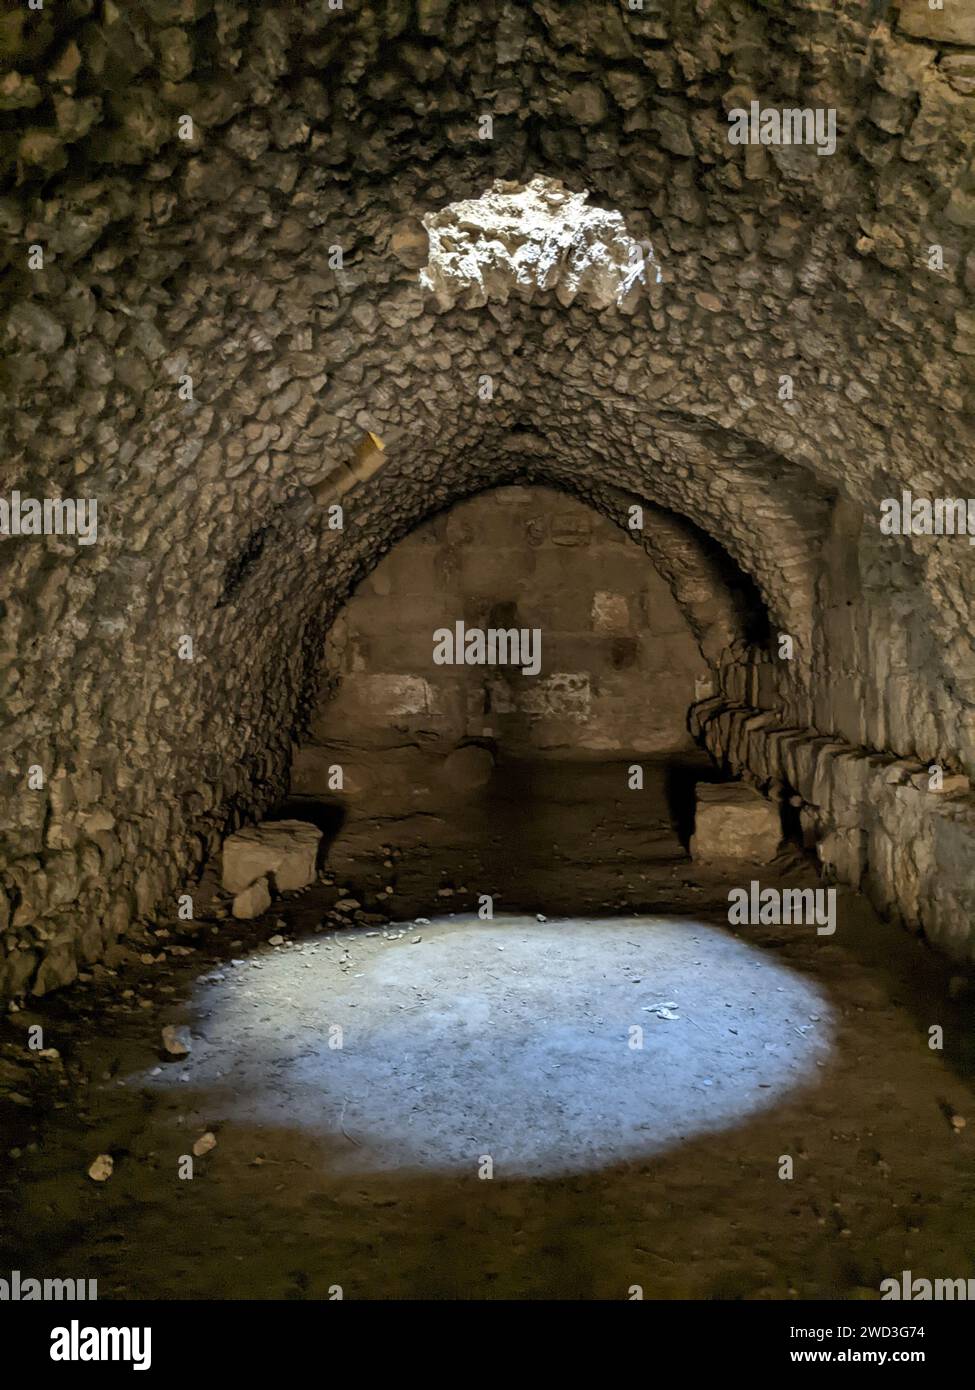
<point>511,1038</point>
<point>525,238</point>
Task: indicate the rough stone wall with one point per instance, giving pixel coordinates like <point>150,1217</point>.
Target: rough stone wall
<point>619,665</point>
<point>206,260</point>
<point>877,822</point>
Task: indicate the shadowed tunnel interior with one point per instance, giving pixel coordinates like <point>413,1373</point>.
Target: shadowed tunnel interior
<point>469,511</point>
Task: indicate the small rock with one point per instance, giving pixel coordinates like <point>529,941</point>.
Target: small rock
<point>176,1041</point>
<point>252,901</point>
<point>204,1144</point>
<point>410,243</point>
<point>276,940</point>
<point>102,1168</point>
<point>663,1010</point>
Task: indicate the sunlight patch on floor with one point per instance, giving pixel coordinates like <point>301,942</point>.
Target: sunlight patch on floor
<point>549,1047</point>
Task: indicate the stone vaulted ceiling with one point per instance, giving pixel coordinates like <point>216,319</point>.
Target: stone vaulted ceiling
<point>213,258</point>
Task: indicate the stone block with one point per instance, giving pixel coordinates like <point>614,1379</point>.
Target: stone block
<point>16,968</point>
<point>285,851</point>
<point>734,822</point>
<point>955,23</point>
<point>58,968</point>
<point>252,901</point>
<point>564,695</point>
<point>396,696</point>
<point>610,612</point>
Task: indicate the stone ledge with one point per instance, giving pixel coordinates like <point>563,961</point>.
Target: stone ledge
<point>911,851</point>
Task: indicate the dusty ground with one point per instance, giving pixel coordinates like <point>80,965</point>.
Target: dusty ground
<point>358,1165</point>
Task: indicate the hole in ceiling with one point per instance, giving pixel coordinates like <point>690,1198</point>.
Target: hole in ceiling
<point>529,238</point>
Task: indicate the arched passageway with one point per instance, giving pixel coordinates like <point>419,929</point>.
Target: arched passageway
<point>502,707</point>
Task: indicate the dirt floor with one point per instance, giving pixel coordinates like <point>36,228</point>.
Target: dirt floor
<point>361,1078</point>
